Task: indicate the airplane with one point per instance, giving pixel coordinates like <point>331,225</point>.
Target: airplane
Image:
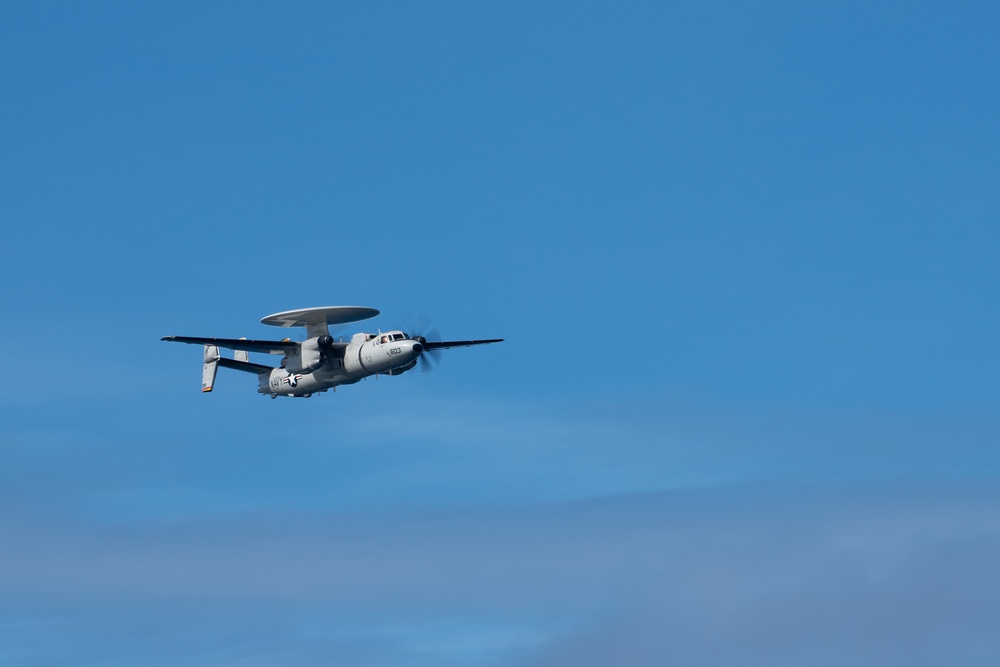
<point>319,363</point>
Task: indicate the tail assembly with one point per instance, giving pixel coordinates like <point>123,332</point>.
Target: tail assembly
<point>240,360</point>
<point>210,368</point>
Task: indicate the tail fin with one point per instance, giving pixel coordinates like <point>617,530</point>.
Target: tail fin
<point>241,355</point>
<point>210,368</point>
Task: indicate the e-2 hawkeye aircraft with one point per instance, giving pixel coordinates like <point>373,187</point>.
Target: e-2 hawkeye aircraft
<point>319,363</point>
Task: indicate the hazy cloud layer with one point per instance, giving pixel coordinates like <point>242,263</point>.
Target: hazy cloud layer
<point>842,574</point>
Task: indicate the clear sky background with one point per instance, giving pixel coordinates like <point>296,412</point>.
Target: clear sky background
<point>744,256</point>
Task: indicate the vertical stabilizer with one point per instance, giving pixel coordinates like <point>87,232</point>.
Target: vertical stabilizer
<point>241,355</point>
<point>210,368</point>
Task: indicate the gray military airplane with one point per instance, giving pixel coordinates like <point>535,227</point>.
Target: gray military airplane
<point>319,363</point>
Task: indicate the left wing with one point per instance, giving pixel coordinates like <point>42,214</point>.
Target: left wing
<point>265,346</point>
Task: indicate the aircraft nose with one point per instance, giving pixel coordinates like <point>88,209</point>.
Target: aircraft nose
<point>418,348</point>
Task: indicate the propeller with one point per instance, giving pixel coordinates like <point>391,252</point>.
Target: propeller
<point>430,358</point>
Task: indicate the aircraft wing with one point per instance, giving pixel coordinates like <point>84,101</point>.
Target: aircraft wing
<point>444,344</point>
<point>265,346</point>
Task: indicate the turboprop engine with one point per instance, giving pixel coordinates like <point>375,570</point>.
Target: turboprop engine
<point>310,356</point>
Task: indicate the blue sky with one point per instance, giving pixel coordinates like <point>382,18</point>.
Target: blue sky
<point>743,256</point>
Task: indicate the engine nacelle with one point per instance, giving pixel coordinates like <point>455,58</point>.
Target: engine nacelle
<point>312,354</point>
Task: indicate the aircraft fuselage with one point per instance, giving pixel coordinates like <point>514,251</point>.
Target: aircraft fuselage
<point>364,356</point>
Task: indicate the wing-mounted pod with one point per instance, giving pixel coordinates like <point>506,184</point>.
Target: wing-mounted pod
<point>313,353</point>
<point>210,367</point>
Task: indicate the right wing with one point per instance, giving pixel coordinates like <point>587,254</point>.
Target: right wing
<point>265,346</point>
<point>445,344</point>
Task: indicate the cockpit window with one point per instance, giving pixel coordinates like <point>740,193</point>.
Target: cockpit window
<point>385,339</point>
<point>398,336</point>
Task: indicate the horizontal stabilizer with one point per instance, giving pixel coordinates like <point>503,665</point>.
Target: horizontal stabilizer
<point>265,346</point>
<point>445,344</point>
<point>245,366</point>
